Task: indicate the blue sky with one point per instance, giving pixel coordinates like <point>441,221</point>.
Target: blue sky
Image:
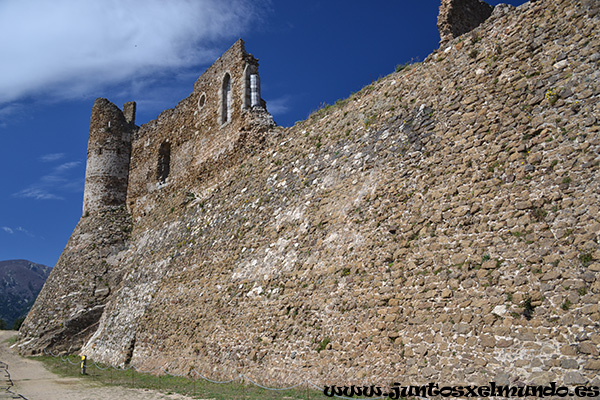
<point>62,54</point>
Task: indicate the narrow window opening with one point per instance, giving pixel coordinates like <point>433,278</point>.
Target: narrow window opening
<point>226,98</point>
<point>251,87</point>
<point>201,101</point>
<point>254,90</point>
<point>164,162</point>
<point>247,100</point>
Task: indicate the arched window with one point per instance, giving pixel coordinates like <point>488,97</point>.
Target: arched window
<point>226,99</point>
<point>164,162</point>
<point>254,90</point>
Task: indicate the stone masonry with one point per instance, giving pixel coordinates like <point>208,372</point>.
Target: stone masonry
<point>109,152</point>
<point>458,17</point>
<point>440,225</point>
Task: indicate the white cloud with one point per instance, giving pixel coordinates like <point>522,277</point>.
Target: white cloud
<point>52,157</point>
<point>37,193</point>
<point>9,111</point>
<point>20,229</point>
<point>279,105</point>
<point>71,48</point>
<point>25,231</point>
<point>66,166</point>
<point>58,180</point>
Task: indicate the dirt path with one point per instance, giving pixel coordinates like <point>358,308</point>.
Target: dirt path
<point>32,381</point>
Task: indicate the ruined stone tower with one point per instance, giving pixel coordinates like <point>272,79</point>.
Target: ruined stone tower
<point>109,150</point>
<point>458,17</point>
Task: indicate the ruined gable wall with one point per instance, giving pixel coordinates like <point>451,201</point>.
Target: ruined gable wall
<point>196,135</point>
<point>458,17</point>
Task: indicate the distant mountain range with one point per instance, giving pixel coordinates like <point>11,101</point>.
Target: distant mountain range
<point>20,283</point>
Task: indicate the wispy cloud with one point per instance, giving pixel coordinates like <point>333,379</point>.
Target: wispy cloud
<point>10,111</point>
<point>25,231</point>
<point>19,229</point>
<point>69,48</point>
<point>49,186</point>
<point>52,157</point>
<point>280,105</point>
<point>66,166</point>
<point>37,193</point>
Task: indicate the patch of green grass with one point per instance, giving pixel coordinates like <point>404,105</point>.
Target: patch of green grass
<point>320,111</point>
<point>412,63</point>
<point>369,120</point>
<point>12,340</point>
<point>586,258</point>
<point>528,309</point>
<point>401,67</point>
<point>539,213</point>
<point>323,345</point>
<point>342,102</point>
<point>195,388</point>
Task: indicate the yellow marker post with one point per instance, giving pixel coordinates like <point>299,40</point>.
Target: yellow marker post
<point>83,364</point>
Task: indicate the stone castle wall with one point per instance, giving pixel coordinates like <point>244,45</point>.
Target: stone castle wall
<point>88,272</point>
<point>439,225</point>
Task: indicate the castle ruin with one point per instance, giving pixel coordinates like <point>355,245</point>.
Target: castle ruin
<point>129,164</point>
<point>440,225</point>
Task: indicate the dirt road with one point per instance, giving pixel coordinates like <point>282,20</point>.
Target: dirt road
<point>32,381</point>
